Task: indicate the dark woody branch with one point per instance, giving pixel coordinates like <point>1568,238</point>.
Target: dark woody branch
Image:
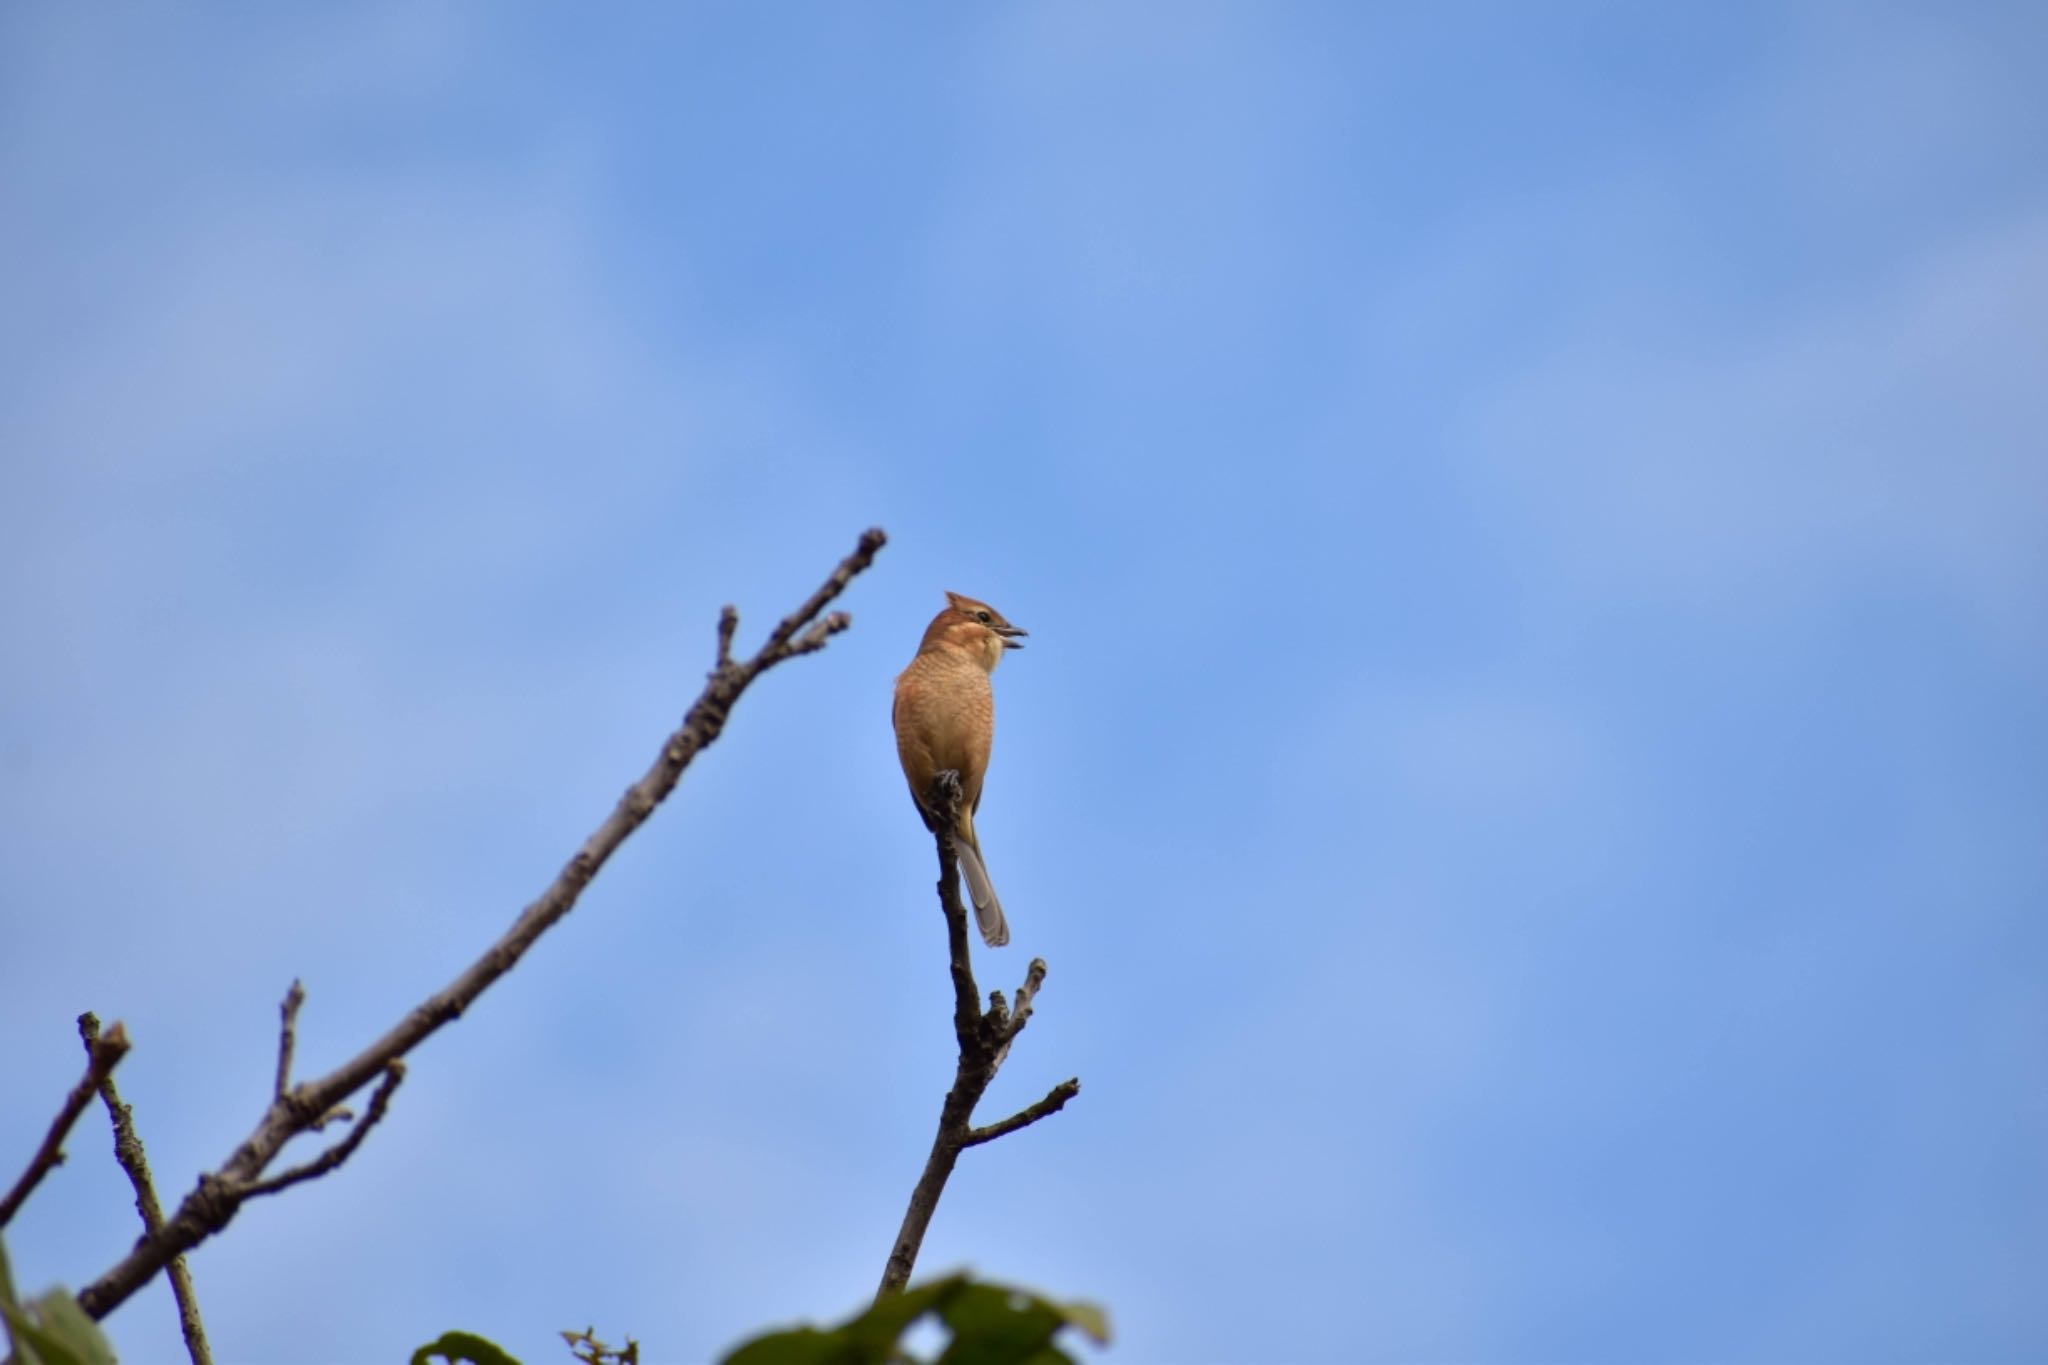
<point>728,626</point>
<point>128,1151</point>
<point>1054,1101</point>
<point>984,1038</point>
<point>102,1054</point>
<point>288,1035</point>
<point>394,1073</point>
<point>296,1109</point>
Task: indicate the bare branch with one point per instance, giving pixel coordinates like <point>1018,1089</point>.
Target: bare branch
<point>287,1039</point>
<point>728,626</point>
<point>102,1055</point>
<point>871,540</point>
<point>814,639</point>
<point>287,1035</point>
<point>128,1151</point>
<point>1054,1101</point>
<point>394,1074</point>
<point>946,796</point>
<point>340,1113</point>
<point>1034,977</point>
<point>210,1206</point>
<point>1009,1026</point>
<point>984,1041</point>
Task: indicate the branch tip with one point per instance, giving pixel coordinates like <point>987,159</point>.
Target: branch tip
<point>1054,1101</point>
<point>287,1035</point>
<point>778,646</point>
<point>128,1151</point>
<point>103,1052</point>
<point>728,626</point>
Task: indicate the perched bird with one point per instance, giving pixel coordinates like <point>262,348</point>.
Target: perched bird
<point>946,718</point>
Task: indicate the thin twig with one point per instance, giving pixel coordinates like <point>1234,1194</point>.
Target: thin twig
<point>871,540</point>
<point>128,1151</point>
<point>1012,1024</point>
<point>1034,977</point>
<point>984,1039</point>
<point>214,1201</point>
<point>728,626</point>
<point>1054,1101</point>
<point>102,1056</point>
<point>340,1113</point>
<point>394,1075</point>
<point>287,1035</point>
<point>287,1040</point>
<point>814,639</point>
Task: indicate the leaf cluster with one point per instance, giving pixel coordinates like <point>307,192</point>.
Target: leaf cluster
<point>990,1324</point>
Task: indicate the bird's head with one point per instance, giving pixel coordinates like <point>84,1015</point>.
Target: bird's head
<point>973,628</point>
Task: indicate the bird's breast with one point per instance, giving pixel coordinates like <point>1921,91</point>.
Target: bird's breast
<point>946,707</point>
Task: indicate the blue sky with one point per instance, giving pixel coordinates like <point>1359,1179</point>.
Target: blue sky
<point>1530,772</point>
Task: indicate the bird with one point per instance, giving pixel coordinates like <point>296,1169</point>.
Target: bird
<point>945,717</point>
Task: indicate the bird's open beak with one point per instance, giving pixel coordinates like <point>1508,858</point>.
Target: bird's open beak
<point>1009,634</point>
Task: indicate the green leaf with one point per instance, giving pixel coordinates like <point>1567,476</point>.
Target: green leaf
<point>71,1325</point>
<point>800,1346</point>
<point>17,1352</point>
<point>34,1344</point>
<point>458,1347</point>
<point>867,1338</point>
<point>1091,1318</point>
<point>53,1330</point>
<point>995,1325</point>
<point>991,1324</point>
<point>883,1324</point>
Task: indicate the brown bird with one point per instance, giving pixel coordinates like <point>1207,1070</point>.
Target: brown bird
<point>946,718</point>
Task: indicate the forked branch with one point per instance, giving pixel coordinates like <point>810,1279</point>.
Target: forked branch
<point>300,1108</point>
<point>984,1037</point>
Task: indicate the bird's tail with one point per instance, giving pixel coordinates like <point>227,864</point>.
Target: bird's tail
<point>988,911</point>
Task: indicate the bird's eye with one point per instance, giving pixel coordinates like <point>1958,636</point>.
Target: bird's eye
<point>982,617</point>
